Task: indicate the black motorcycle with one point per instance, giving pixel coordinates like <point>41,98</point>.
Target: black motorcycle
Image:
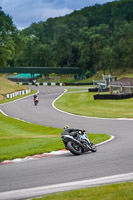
<point>80,145</point>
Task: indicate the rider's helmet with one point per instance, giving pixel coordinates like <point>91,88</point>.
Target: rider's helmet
<point>66,126</point>
<point>35,95</point>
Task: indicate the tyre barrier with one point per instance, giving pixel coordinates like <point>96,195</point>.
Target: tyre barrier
<point>68,84</point>
<point>93,90</point>
<point>97,89</point>
<point>17,93</point>
<point>113,96</point>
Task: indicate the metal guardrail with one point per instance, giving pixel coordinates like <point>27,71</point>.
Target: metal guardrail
<point>45,84</point>
<point>17,93</point>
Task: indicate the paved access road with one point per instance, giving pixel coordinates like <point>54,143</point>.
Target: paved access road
<point>112,158</point>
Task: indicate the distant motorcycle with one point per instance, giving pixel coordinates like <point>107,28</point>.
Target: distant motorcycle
<point>79,146</point>
<point>36,100</point>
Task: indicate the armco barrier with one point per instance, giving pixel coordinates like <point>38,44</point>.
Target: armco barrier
<point>113,96</point>
<point>17,93</point>
<point>55,84</point>
<point>50,84</point>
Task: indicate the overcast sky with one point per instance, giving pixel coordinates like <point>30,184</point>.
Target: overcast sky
<point>25,12</point>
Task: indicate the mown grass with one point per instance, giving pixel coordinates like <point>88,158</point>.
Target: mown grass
<point>122,191</point>
<point>84,104</point>
<point>19,139</point>
<point>7,86</point>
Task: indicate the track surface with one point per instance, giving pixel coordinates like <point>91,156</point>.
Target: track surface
<point>113,158</point>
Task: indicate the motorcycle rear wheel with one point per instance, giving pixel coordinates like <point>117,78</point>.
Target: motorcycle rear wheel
<point>74,148</point>
<point>35,103</point>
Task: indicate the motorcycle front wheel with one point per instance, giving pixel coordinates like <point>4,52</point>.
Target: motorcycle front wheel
<point>93,148</point>
<point>74,148</point>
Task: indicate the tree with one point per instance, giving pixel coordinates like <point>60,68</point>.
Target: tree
<point>125,46</point>
<point>75,23</point>
<point>107,59</point>
<point>7,44</point>
<point>62,46</point>
<point>42,55</point>
<point>92,41</point>
<point>122,42</point>
<point>84,60</point>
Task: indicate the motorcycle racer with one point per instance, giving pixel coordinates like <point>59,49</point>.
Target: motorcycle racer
<point>73,132</point>
<point>36,99</point>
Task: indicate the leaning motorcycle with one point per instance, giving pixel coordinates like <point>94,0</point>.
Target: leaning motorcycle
<point>78,146</point>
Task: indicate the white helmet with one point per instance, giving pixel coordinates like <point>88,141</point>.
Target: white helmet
<point>66,126</point>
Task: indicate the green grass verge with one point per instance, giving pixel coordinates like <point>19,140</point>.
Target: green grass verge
<point>19,139</point>
<point>84,104</point>
<point>122,191</point>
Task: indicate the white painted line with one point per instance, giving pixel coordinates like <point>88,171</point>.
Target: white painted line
<point>112,138</point>
<point>39,191</point>
<point>3,113</point>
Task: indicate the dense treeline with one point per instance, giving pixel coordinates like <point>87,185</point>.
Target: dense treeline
<point>8,39</point>
<point>94,38</point>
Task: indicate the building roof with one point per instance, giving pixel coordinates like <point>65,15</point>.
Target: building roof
<point>122,82</point>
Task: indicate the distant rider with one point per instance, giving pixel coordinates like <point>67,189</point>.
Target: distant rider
<point>35,98</point>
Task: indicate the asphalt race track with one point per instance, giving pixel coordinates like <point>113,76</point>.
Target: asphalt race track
<point>111,160</point>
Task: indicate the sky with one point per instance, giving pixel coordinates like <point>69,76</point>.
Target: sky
<point>26,12</point>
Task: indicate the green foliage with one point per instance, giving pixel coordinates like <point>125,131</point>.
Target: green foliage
<point>8,34</point>
<point>94,38</point>
<point>88,74</point>
<point>62,46</point>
